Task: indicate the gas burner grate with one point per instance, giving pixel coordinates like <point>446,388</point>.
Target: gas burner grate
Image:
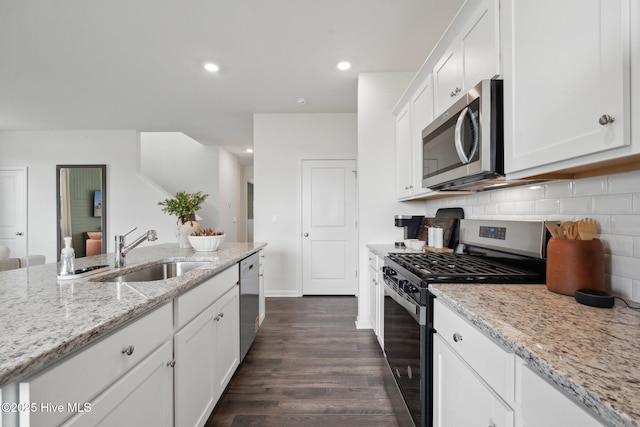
<point>459,268</point>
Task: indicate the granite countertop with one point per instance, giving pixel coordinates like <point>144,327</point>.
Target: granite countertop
<point>382,249</point>
<point>43,319</point>
<point>593,354</point>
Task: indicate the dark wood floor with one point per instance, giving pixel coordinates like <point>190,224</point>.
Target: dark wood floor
<point>309,366</point>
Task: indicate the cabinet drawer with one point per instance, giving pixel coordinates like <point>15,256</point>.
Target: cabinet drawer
<point>373,260</point>
<point>492,363</point>
<point>194,302</point>
<point>82,376</point>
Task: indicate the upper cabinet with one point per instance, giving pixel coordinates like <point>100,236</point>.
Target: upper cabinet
<point>473,56</point>
<point>567,82</point>
<point>467,53</point>
<point>414,117</point>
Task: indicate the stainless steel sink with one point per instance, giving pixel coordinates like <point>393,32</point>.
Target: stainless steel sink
<point>165,270</point>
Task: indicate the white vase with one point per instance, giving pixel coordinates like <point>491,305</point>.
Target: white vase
<point>183,231</point>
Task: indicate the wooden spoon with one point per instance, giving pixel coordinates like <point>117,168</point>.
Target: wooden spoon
<point>587,228</point>
<point>554,229</point>
<point>570,230</point>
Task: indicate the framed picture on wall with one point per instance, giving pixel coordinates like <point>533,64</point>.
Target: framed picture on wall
<point>97,203</point>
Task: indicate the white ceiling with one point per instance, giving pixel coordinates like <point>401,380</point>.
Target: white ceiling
<point>138,64</point>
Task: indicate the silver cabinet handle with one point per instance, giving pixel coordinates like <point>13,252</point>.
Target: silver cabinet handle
<point>605,119</point>
<point>306,234</point>
<point>19,233</point>
<point>172,363</point>
<point>128,350</point>
<point>455,92</point>
<point>457,337</point>
<point>218,317</point>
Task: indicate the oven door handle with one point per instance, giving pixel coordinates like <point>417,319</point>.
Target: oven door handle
<point>415,310</point>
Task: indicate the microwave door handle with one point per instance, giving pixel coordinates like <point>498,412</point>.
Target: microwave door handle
<point>464,158</point>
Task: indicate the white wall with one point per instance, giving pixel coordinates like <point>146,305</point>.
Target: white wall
<point>131,201</point>
<point>613,201</point>
<point>281,141</point>
<point>174,162</point>
<point>230,195</point>
<point>377,95</point>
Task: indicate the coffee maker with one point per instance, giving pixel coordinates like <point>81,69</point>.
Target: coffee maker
<point>411,224</point>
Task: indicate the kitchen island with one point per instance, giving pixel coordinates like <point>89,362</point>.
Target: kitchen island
<point>591,354</point>
<point>44,319</point>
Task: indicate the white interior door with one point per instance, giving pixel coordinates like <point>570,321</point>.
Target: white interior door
<point>13,210</point>
<point>329,230</point>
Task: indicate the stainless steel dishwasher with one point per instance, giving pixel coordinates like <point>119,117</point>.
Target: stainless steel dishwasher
<point>249,300</point>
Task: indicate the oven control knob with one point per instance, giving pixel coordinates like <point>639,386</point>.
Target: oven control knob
<point>457,337</point>
<point>412,288</point>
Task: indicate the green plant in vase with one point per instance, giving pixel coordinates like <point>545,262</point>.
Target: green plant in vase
<point>184,206</point>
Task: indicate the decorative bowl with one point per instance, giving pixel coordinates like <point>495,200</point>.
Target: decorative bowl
<point>206,243</point>
<point>417,245</point>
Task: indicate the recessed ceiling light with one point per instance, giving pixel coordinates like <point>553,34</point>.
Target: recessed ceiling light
<point>211,67</point>
<point>249,150</point>
<point>344,65</point>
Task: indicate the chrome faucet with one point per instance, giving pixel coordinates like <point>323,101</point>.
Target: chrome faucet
<point>122,250</point>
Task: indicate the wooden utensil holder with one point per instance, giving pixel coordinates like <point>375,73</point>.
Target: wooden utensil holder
<point>575,264</point>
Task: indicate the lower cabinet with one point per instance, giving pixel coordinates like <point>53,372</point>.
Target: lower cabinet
<point>166,368</point>
<point>143,397</point>
<point>478,383</point>
<point>461,398</point>
<point>543,405</point>
<point>207,353</point>
<point>376,296</point>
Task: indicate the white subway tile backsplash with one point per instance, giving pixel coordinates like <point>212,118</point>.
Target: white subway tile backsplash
<point>545,207</point>
<point>621,286</point>
<point>617,245</point>
<point>524,208</point>
<point>578,205</point>
<point>616,204</point>
<point>533,192</point>
<point>613,201</point>
<point>625,267</point>
<point>636,203</point>
<point>624,182</point>
<point>628,225</point>
<point>558,189</point>
<point>590,186</point>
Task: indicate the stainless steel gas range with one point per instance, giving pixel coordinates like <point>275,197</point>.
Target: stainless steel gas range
<point>490,251</point>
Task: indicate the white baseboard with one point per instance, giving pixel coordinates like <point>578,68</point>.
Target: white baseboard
<point>281,294</point>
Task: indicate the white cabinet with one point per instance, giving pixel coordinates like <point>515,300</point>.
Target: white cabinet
<point>376,296</point>
<point>478,383</point>
<point>461,397</point>
<point>566,81</point>
<point>404,174</point>
<point>207,353</point>
<point>409,125</point>
<point>261,300</point>
<point>94,369</point>
<point>542,405</point>
<point>143,397</point>
<point>472,57</point>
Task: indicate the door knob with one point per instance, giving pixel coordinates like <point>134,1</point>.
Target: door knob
<point>19,233</point>
<point>306,234</point>
<point>605,119</point>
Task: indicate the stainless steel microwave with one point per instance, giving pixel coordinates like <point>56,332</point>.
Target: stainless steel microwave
<point>463,148</point>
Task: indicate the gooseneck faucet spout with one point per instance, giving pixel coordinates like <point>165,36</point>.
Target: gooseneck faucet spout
<point>122,249</point>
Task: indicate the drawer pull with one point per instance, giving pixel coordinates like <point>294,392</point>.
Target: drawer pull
<point>218,317</point>
<point>128,350</point>
<point>172,363</point>
<point>457,337</point>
